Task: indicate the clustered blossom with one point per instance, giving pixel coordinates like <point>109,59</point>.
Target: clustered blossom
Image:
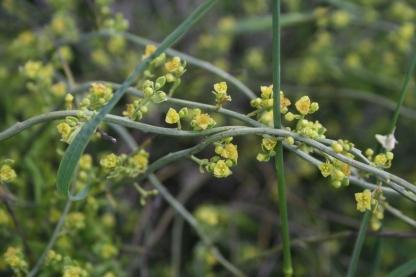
<point>221,95</point>
<point>7,174</point>
<point>264,105</point>
<point>15,259</point>
<point>119,166</point>
<point>98,95</point>
<point>363,200</point>
<point>197,120</point>
<point>220,165</point>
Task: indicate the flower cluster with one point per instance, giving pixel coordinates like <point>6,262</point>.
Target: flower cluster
<point>7,173</point>
<point>98,95</point>
<point>152,94</point>
<point>338,172</point>
<point>197,120</point>
<point>69,128</point>
<point>220,92</point>
<point>382,160</point>
<point>74,271</point>
<point>220,165</point>
<point>15,259</point>
<point>264,105</point>
<point>363,200</point>
<point>119,166</point>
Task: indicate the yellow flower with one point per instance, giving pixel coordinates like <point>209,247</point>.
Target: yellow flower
<point>101,90</point>
<point>363,200</point>
<point>76,220</point>
<point>221,87</point>
<point>149,50</point>
<point>4,218</point>
<point>207,215</point>
<point>266,91</point>
<point>269,143</point>
<point>108,251</point>
<point>7,173</point>
<point>303,105</point>
<point>172,116</point>
<point>85,162</point>
<point>284,102</point>
<point>58,89</point>
<point>31,69</point>
<point>109,161</point>
<point>203,121</point>
<point>74,271</point>
<point>326,169</point>
<point>64,130</point>
<point>141,160</point>
<point>14,258</point>
<point>229,151</point>
<point>380,160</point>
<point>221,169</point>
<point>173,65</point>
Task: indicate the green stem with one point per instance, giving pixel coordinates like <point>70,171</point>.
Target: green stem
<point>398,184</point>
<point>52,240</point>
<point>279,165</point>
<point>352,269</point>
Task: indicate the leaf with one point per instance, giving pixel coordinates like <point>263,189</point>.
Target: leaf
<point>404,270</point>
<point>74,151</point>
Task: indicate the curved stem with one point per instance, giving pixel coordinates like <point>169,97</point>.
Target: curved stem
<point>398,184</point>
<point>52,240</point>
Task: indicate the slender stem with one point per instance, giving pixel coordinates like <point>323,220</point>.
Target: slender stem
<point>52,240</point>
<point>279,165</point>
<point>352,269</point>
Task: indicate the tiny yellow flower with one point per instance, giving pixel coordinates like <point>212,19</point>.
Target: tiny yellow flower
<point>7,173</point>
<point>326,169</point>
<point>207,215</point>
<point>380,160</point>
<point>303,105</point>
<point>31,69</point>
<point>108,251</point>
<point>149,50</point>
<point>284,102</point>
<point>221,169</point>
<point>266,91</point>
<point>363,200</point>
<point>221,87</point>
<point>229,151</point>
<point>141,160</point>
<point>64,130</point>
<point>109,161</point>
<point>58,89</point>
<point>172,116</point>
<point>85,162</point>
<point>337,147</point>
<point>74,271</point>
<point>269,143</point>
<point>203,121</point>
<point>15,259</point>
<point>173,65</point>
